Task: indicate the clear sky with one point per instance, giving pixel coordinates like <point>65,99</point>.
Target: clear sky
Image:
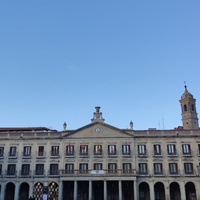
<point>61,58</point>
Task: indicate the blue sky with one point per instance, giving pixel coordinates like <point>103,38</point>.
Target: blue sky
<point>60,59</point>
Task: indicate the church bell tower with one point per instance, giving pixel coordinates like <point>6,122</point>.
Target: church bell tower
<point>189,114</point>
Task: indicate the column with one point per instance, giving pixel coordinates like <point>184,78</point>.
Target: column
<point>167,191</point>
<point>197,186</point>
<point>60,190</point>
<point>182,190</point>
<point>16,191</point>
<point>90,190</point>
<point>31,189</point>
<point>152,194</point>
<point>120,189</point>
<point>135,190</point>
<point>105,190</point>
<point>75,190</point>
<point>2,190</point>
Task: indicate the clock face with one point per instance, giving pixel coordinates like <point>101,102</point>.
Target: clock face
<point>98,130</point>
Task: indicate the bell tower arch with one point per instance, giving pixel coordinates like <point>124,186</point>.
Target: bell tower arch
<point>188,108</point>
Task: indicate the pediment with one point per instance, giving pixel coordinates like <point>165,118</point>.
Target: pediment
<point>98,130</point>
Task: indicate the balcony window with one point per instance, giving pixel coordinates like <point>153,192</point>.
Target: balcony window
<point>97,149</point>
<point>188,167</point>
<point>157,150</point>
<point>126,167</point>
<point>25,170</point>
<point>111,149</point>
<point>142,150</point>
<point>112,168</point>
<point>173,168</point>
<point>1,151</point>
<point>142,168</point>
<point>55,151</point>
<point>53,169</point>
<point>70,150</point>
<point>12,152</point>
<point>39,169</point>
<point>97,166</point>
<point>171,149</point>
<point>186,149</point>
<point>69,168</point>
<point>126,149</point>
<point>158,168</point>
<point>11,170</point>
<point>83,168</point>
<point>41,151</point>
<point>27,151</point>
<point>83,149</point>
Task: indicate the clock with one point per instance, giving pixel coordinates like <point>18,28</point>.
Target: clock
<point>98,130</point>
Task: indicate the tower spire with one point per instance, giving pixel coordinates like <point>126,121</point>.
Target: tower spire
<point>188,107</point>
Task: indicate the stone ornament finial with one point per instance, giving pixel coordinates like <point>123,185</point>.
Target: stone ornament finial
<point>131,124</point>
<point>97,116</point>
<point>64,126</point>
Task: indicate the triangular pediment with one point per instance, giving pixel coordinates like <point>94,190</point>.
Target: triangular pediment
<point>98,130</point>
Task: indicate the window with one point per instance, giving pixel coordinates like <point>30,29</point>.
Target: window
<point>83,149</point>
<point>126,149</point>
<point>27,151</point>
<point>112,168</point>
<point>1,151</point>
<point>185,108</point>
<point>142,168</point>
<point>171,149</point>
<point>158,168</point>
<point>111,149</point>
<point>173,168</point>
<point>25,170</point>
<point>0,170</point>
<point>142,150</point>
<point>126,167</point>
<point>83,167</point>
<point>12,151</point>
<point>192,107</point>
<point>188,167</point>
<point>70,150</point>
<point>41,151</point>
<point>97,166</point>
<point>53,169</point>
<point>157,149</point>
<point>11,170</point>
<point>39,169</point>
<point>55,151</point>
<point>69,168</point>
<point>186,149</point>
<point>97,149</point>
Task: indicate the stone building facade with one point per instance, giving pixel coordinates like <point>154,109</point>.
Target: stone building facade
<point>102,162</point>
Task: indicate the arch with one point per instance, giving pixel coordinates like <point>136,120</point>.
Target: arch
<point>144,193</point>
<point>190,190</point>
<point>175,191</point>
<point>10,191</point>
<point>38,190</point>
<point>24,191</point>
<point>53,191</point>
<point>159,191</point>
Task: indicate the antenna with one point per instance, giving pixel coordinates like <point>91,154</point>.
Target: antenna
<point>163,123</point>
<point>159,124</point>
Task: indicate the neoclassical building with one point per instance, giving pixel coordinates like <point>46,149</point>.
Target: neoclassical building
<point>101,162</point>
